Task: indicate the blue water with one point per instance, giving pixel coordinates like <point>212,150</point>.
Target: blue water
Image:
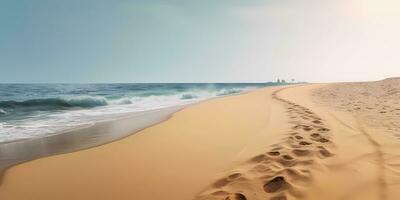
<point>35,110</point>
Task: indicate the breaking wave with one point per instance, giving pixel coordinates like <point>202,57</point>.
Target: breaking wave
<point>34,110</point>
<point>56,103</point>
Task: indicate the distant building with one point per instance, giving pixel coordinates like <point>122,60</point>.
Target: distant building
<point>283,81</point>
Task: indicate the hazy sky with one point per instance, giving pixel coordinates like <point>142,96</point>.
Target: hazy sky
<point>198,41</point>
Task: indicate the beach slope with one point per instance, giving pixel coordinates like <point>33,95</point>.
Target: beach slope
<point>293,142</point>
<point>172,160</point>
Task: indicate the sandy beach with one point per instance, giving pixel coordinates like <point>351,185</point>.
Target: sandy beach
<point>12,153</point>
<point>311,141</point>
<point>199,100</point>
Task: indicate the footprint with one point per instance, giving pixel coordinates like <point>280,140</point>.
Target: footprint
<point>236,196</point>
<point>287,157</point>
<point>274,153</point>
<point>324,129</point>
<point>298,137</point>
<point>324,152</point>
<point>323,140</point>
<point>317,122</point>
<point>304,143</point>
<point>275,184</point>
<point>302,146</point>
<point>307,128</point>
<point>234,176</point>
<point>301,152</point>
<point>315,135</point>
<point>309,112</point>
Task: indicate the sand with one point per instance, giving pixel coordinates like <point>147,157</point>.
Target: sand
<point>294,142</point>
<point>174,160</point>
<point>12,153</point>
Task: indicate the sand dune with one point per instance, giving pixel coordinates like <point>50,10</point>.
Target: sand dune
<point>314,141</point>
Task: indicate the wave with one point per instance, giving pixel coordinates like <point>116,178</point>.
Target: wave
<point>85,101</point>
<point>188,96</point>
<point>36,110</point>
<point>2,112</point>
<point>80,101</point>
<point>229,91</point>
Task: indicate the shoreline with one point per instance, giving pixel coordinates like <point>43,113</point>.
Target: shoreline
<point>180,155</point>
<point>15,152</point>
<point>24,150</point>
<point>314,141</point>
<point>58,112</point>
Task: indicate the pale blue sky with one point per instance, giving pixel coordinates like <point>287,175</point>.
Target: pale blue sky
<point>198,41</point>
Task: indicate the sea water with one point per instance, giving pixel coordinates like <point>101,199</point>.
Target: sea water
<point>37,110</point>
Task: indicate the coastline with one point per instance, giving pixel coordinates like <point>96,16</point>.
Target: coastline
<point>312,141</point>
<point>16,152</point>
<point>80,138</point>
<point>188,149</point>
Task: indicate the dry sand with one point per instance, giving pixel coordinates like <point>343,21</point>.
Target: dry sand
<point>302,142</point>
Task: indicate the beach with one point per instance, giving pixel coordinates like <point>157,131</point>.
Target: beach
<point>12,153</point>
<point>309,141</point>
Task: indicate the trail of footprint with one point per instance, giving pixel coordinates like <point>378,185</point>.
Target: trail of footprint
<point>279,170</point>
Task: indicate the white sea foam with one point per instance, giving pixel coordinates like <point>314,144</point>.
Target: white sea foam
<point>92,109</point>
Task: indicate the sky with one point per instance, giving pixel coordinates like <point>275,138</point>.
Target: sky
<point>104,41</point>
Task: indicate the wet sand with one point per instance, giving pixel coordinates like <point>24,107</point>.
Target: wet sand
<point>12,153</point>
<point>313,141</point>
<point>174,159</point>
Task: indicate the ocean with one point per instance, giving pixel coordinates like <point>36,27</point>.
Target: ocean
<point>37,110</point>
